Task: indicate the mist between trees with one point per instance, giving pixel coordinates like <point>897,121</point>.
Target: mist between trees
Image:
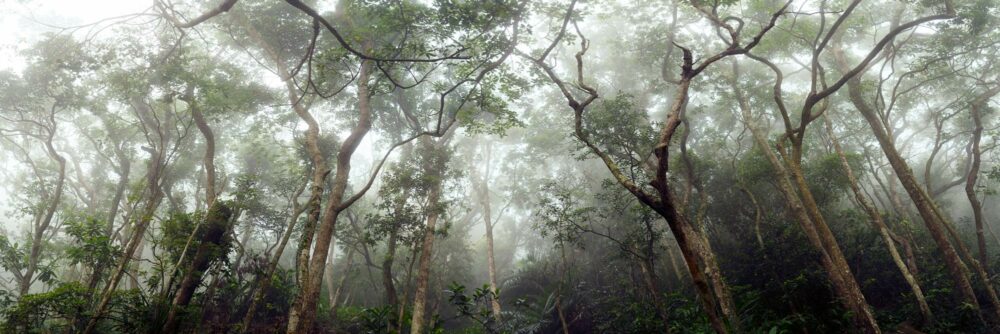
<point>500,166</point>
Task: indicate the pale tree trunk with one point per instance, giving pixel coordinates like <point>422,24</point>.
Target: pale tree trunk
<point>301,319</point>
<point>42,225</point>
<point>336,293</point>
<point>879,224</point>
<point>673,261</point>
<point>154,174</point>
<point>328,276</point>
<point>804,210</point>
<point>925,206</point>
<point>484,198</point>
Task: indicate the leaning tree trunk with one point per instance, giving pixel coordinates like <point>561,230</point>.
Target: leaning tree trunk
<point>154,175</point>
<point>925,206</point>
<point>216,224</point>
<point>804,210</point>
<point>879,224</point>
<point>265,280</point>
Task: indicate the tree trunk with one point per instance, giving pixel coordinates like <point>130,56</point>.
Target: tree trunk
<point>423,270</point>
<point>650,280</point>
<point>302,319</point>
<point>216,224</point>
<point>973,176</point>
<point>805,211</point>
<point>712,270</point>
<point>154,174</point>
<point>272,266</point>
<point>879,224</point>
<point>319,173</point>
<point>484,198</point>
<point>38,235</point>
<point>407,286</point>
<point>925,207</point>
<point>335,295</point>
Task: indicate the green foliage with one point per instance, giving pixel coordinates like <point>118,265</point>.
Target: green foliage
<point>623,131</point>
<point>476,306</point>
<point>51,311</point>
<point>90,245</point>
<point>561,214</point>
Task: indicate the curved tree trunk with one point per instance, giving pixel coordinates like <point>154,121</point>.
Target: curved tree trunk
<point>42,226</point>
<point>973,176</point>
<point>319,173</point>
<point>301,318</point>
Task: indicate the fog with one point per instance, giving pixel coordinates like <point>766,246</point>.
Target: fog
<point>499,166</point>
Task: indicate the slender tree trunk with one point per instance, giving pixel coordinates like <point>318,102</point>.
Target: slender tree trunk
<point>408,286</point>
<point>673,262</point>
<point>804,210</point>
<point>879,224</point>
<point>38,235</point>
<point>319,173</point>
<point>154,174</point>
<point>925,206</point>
<point>712,270</point>
<point>484,198</point>
<point>650,280</point>
<point>973,176</point>
<point>272,266</point>
<point>339,290</point>
<point>208,161</point>
<point>123,174</point>
<point>391,299</point>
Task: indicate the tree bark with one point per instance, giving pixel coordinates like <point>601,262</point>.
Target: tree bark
<point>879,224</point>
<point>424,267</point>
<point>301,319</point>
<point>484,198</point>
<point>38,235</point>
<point>216,224</point>
<point>973,176</point>
<point>154,174</point>
<point>924,204</point>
